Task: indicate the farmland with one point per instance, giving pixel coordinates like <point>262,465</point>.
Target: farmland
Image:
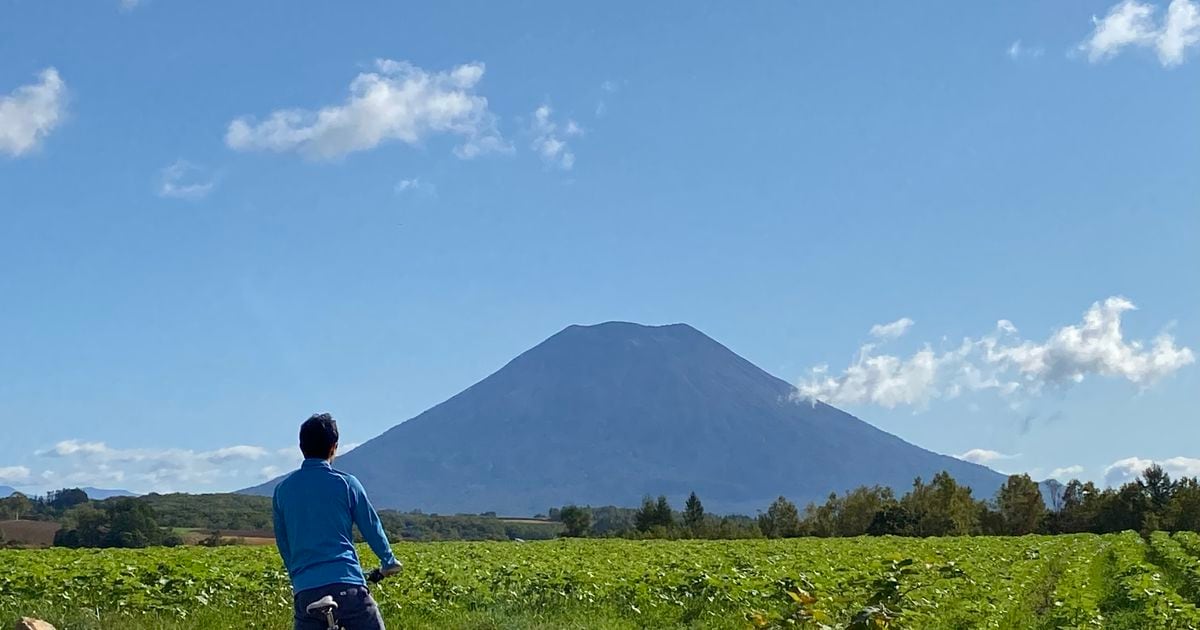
<point>1074,581</point>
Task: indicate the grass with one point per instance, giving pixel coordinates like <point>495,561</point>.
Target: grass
<point>581,618</point>
<point>1081,581</point>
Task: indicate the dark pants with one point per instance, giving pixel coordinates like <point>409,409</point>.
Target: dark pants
<point>356,609</point>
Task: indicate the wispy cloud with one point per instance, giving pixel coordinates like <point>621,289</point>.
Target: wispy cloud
<point>984,456</point>
<point>398,101</point>
<point>1003,362</point>
<point>1019,50</point>
<point>1128,469</point>
<point>169,469</point>
<point>1066,473</point>
<point>84,463</point>
<point>415,186</point>
<point>1133,23</point>
<point>29,113</point>
<point>607,88</point>
<point>892,330</point>
<point>550,138</point>
<point>184,180</point>
<point>129,5</point>
<point>14,475</point>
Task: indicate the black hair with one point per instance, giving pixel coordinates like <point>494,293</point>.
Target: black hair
<point>318,435</point>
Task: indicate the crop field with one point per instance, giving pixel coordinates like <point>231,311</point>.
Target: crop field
<point>1078,581</point>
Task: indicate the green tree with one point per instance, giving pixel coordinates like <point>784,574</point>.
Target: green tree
<point>1183,511</point>
<point>693,513</point>
<point>647,516</point>
<point>1020,504</point>
<point>67,498</point>
<point>125,522</point>
<point>819,520</point>
<point>663,516</point>
<point>16,505</point>
<point>782,520</point>
<point>1158,487</point>
<point>892,519</point>
<point>1121,510</point>
<point>858,507</point>
<point>991,521</point>
<point>1079,507</point>
<point>83,526</point>
<point>576,520</point>
<point>942,507</point>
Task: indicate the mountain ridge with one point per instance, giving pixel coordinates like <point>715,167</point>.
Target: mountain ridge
<point>605,413</point>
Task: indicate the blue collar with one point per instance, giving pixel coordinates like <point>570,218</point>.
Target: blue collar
<point>313,462</point>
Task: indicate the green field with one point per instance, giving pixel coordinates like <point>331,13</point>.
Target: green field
<point>1077,581</point>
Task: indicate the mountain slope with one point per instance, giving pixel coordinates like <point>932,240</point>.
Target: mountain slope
<point>607,413</point>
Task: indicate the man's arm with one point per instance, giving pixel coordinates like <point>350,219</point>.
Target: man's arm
<point>370,526</point>
<point>281,540</point>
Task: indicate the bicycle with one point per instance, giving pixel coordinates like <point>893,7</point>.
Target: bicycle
<point>326,607</point>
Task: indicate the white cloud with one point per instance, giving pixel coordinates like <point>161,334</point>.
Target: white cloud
<point>1002,362</point>
<point>67,448</point>
<point>984,456</point>
<point>415,186</point>
<point>1066,473</point>
<point>14,475</point>
<point>169,469</point>
<point>1133,23</point>
<point>892,330</point>
<point>235,452</point>
<point>1019,50</point>
<point>399,101</point>
<point>550,138</point>
<point>184,180</point>
<point>1128,469</point>
<point>1096,346</point>
<point>882,380</point>
<point>31,112</point>
<point>1181,30</point>
<point>83,463</point>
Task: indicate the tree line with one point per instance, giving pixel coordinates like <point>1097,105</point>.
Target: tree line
<point>155,519</point>
<point>940,507</point>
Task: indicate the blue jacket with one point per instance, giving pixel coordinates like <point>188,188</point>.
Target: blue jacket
<point>314,509</point>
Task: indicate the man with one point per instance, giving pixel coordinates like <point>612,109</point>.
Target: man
<point>314,509</point>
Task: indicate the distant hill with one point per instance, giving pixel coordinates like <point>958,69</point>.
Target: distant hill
<point>605,414</point>
<point>100,494</point>
<point>6,491</point>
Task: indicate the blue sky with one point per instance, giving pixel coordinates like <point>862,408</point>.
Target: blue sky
<point>221,217</point>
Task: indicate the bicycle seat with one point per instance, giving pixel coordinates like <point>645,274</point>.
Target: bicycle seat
<point>321,605</point>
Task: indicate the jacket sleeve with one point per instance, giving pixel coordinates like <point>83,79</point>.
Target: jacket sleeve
<point>367,520</point>
<point>281,539</point>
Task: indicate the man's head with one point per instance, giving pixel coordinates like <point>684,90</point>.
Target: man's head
<point>319,437</point>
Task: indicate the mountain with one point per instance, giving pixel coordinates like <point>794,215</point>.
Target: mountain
<point>99,494</point>
<point>605,414</point>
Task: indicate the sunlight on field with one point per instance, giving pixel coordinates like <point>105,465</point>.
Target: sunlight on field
<point>1027,582</point>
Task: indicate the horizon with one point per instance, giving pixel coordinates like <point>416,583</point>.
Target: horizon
<point>967,226</point>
